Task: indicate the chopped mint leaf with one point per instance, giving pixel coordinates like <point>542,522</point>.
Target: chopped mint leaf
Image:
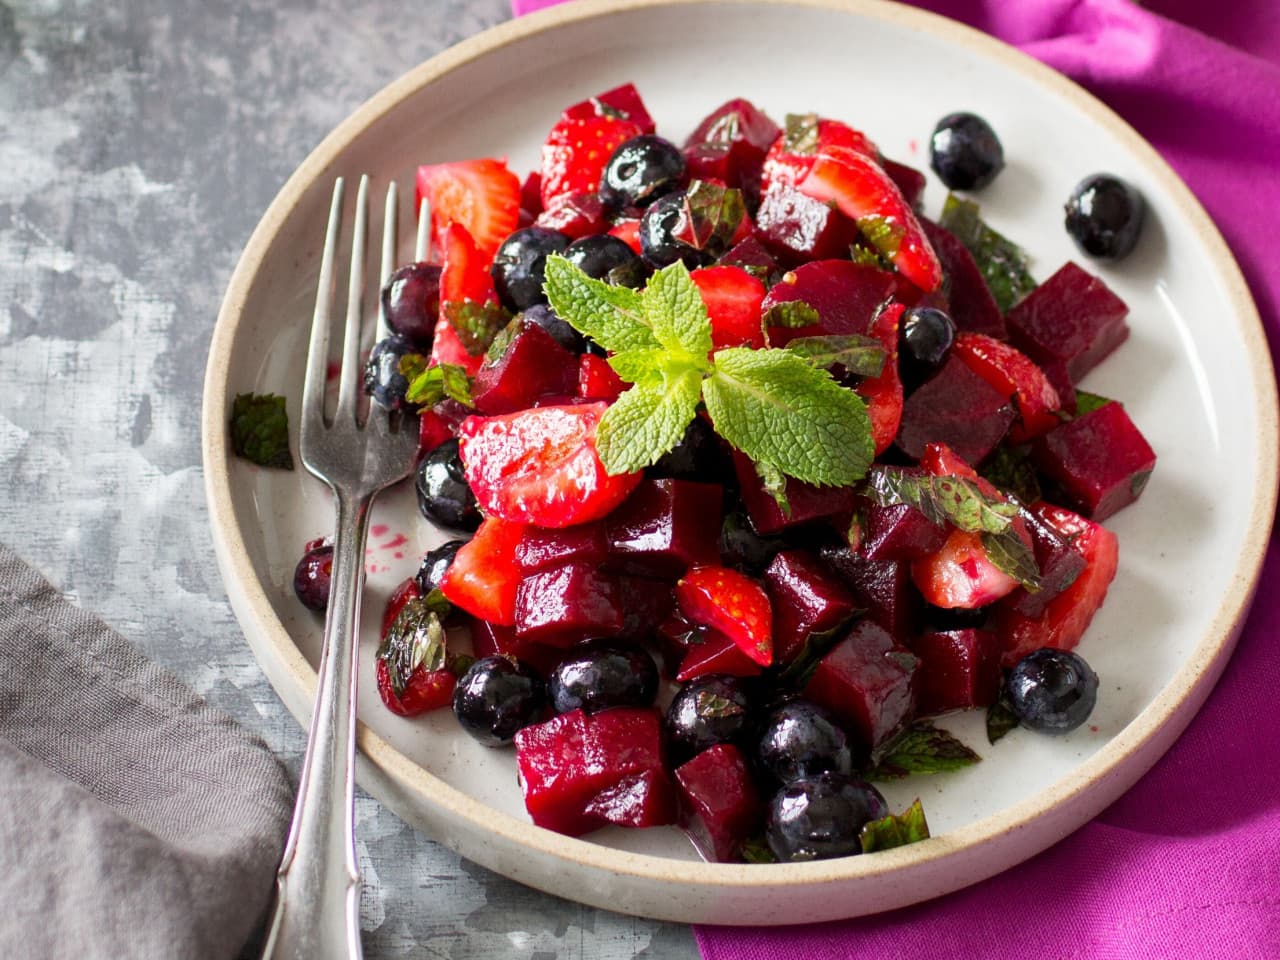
<point>955,500</point>
<point>415,640</point>
<point>792,314</point>
<point>1088,402</point>
<point>756,850</point>
<point>773,406</point>
<point>1000,717</point>
<point>435,383</point>
<point>775,485</point>
<point>460,663</point>
<point>711,706</point>
<point>797,673</point>
<point>412,365</point>
<point>801,133</point>
<point>713,214</point>
<point>923,748</point>
<point>675,312</point>
<point>1010,469</point>
<point>608,110</point>
<point>1013,556</point>
<point>884,233</point>
<point>501,340</point>
<point>476,324</point>
<point>647,421</point>
<point>727,128</point>
<point>611,316</point>
<point>1001,262</point>
<point>260,430</point>
<point>895,830</point>
<point>868,257</point>
<point>863,356</point>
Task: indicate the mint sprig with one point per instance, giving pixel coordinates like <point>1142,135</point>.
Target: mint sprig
<point>429,386</point>
<point>923,748</point>
<point>895,830</point>
<point>863,356</point>
<point>260,430</point>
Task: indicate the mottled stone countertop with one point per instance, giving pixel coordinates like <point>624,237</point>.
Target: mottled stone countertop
<point>140,141</point>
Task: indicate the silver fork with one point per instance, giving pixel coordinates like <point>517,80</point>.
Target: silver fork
<point>317,910</point>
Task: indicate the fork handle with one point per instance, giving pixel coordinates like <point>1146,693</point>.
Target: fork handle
<point>317,909</point>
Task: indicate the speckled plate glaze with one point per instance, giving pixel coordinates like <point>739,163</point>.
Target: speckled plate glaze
<point>1195,376</point>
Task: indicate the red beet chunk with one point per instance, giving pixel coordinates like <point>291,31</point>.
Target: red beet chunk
<point>491,639</point>
<point>959,669</point>
<point>808,503</point>
<point>645,604</point>
<point>719,805</point>
<point>1100,461</point>
<point>846,296</point>
<point>740,124</point>
<point>645,800</point>
<point>751,255</point>
<point>540,547</point>
<point>900,532</point>
<point>907,179</point>
<point>565,764</point>
<point>707,650</point>
<point>532,366</point>
<point>956,407</point>
<point>1072,318</point>
<point>972,306</point>
<point>881,588</point>
<point>798,229</point>
<point>1059,563</point>
<point>563,605</point>
<point>575,215</point>
<point>806,599</point>
<point>869,682</point>
<point>668,525</point>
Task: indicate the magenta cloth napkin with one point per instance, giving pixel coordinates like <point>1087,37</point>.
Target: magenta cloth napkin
<point>1187,863</point>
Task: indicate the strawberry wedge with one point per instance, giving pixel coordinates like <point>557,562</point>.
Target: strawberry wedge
<point>731,602</point>
<point>482,195</point>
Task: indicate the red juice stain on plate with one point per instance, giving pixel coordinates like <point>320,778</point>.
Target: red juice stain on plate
<point>399,540</point>
<point>379,530</point>
<point>913,146</point>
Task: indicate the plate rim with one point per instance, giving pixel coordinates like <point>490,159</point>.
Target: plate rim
<point>1075,798</point>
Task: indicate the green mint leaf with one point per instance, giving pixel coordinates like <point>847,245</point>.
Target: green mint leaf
<point>756,850</point>
<point>1010,469</point>
<point>712,215</point>
<point>792,314</point>
<point>799,671</point>
<point>923,748</point>
<point>868,257</point>
<point>884,233</point>
<point>503,339</point>
<point>1013,556</point>
<point>895,830</point>
<point>727,128</point>
<point>864,356</point>
<point>435,383</point>
<point>460,663</point>
<point>645,422</point>
<point>416,640</point>
<point>709,705</point>
<point>801,133</point>
<point>1000,717</point>
<point>641,367</point>
<point>1001,262</point>
<point>773,406</point>
<point>1088,402</point>
<point>260,430</point>
<point>412,365</point>
<point>775,485</point>
<point>675,312</point>
<point>954,500</point>
<point>611,316</point>
<point>476,324</point>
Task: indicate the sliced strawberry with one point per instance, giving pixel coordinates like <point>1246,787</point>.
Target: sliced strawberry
<point>1016,375</point>
<point>576,151</point>
<point>961,575</point>
<point>540,466</point>
<point>531,194</point>
<point>466,291</point>
<point>482,195</point>
<point>1068,615</point>
<point>865,194</point>
<point>628,231</point>
<point>424,690</point>
<point>484,575</point>
<point>784,166</point>
<point>733,298</point>
<point>941,461</point>
<point>622,102</point>
<point>884,393</point>
<point>433,430</point>
<point>732,603</point>
<point>597,380</point>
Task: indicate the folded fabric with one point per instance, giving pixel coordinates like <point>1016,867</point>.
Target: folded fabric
<point>135,820</point>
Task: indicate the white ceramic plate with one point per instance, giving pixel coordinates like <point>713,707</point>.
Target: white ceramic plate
<point>1194,375</point>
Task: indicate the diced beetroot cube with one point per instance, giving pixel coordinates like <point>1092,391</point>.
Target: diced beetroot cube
<point>720,807</point>
<point>806,599</point>
<point>532,366</point>
<point>433,430</point>
<point>1100,461</point>
<point>899,532</point>
<point>645,799</point>
<point>491,639</point>
<point>708,161</point>
<point>881,588</point>
<point>575,215</point>
<point>750,254</point>
<point>710,651</point>
<point>565,763</point>
<point>907,179</point>
<point>972,306</point>
<point>540,547</point>
<point>1059,564</point>
<point>956,407</point>
<point>959,669</point>
<point>797,228</point>
<point>808,503</point>
<point>531,194</point>
<point>645,604</point>
<point>738,134</point>
<point>846,296</point>
<point>563,605</point>
<point>1072,318</point>
<point>623,102</point>
<point>869,682</point>
<point>668,525</point>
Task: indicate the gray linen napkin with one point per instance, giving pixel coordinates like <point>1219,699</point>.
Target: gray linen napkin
<point>135,821</point>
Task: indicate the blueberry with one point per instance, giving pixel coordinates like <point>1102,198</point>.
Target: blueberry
<point>1052,691</point>
<point>965,152</point>
<point>519,266</point>
<point>1104,216</point>
<point>497,697</point>
<point>815,818</point>
<point>799,740</point>
<point>411,302</point>
<point>742,547</point>
<point>312,575</point>
<point>598,255</point>
<point>696,457</point>
<point>443,493</point>
<point>641,170</point>
<point>603,674</point>
<point>382,377</point>
<point>711,709</point>
<point>924,342</point>
<point>557,326</point>
<point>434,564</point>
<point>658,243</point>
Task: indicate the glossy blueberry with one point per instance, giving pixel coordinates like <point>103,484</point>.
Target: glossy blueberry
<point>597,256</point>
<point>698,455</point>
<point>382,377</point>
<point>798,740</point>
<point>443,493</point>
<point>714,708</point>
<point>815,818</point>
<point>602,674</point>
<point>312,575</point>
<point>554,324</point>
<point>641,170</point>
<point>924,342</point>
<point>742,547</point>
<point>1052,691</point>
<point>519,266</point>
<point>434,564</point>
<point>658,244</point>
<point>965,152</point>
<point>1104,216</point>
<point>497,697</point>
<point>411,301</point>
